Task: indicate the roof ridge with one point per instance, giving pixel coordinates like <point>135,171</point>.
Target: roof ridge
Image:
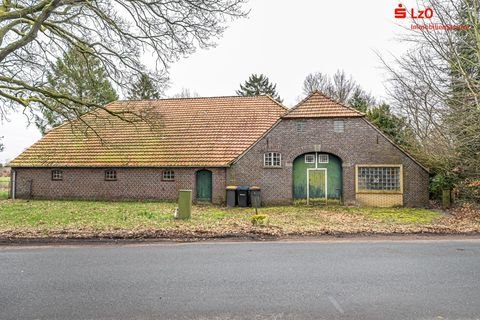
<point>302,101</point>
<point>323,96</point>
<point>340,103</point>
<point>193,98</point>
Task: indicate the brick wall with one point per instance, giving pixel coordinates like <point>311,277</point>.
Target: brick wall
<point>131,183</point>
<point>359,144</point>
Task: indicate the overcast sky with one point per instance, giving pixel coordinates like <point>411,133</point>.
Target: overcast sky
<point>285,40</point>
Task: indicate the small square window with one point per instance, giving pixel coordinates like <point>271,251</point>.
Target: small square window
<point>339,126</point>
<point>300,125</point>
<point>323,158</point>
<point>272,159</point>
<point>110,175</point>
<point>57,175</point>
<point>309,158</point>
<point>168,175</point>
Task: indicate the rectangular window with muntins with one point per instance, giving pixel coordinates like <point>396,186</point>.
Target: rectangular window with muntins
<point>379,178</point>
<point>57,175</point>
<point>338,126</point>
<point>272,159</point>
<point>168,175</point>
<point>323,158</point>
<point>300,126</point>
<point>309,158</point>
<point>110,175</point>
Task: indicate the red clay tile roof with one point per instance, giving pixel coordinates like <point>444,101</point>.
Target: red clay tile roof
<point>184,132</point>
<point>317,105</point>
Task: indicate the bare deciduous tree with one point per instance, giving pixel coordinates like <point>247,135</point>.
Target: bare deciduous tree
<point>317,81</point>
<point>339,87</point>
<point>436,85</point>
<point>119,33</point>
<point>185,93</point>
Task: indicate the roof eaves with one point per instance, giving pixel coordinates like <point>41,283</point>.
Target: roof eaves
<point>119,166</point>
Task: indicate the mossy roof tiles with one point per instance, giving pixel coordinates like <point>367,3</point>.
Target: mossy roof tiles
<point>171,132</point>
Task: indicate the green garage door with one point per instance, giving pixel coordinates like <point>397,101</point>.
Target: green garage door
<point>317,186</point>
<point>317,176</point>
<point>204,185</point>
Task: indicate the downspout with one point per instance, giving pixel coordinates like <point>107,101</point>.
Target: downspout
<point>14,183</point>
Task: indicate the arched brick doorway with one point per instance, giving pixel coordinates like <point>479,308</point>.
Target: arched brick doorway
<point>317,178</point>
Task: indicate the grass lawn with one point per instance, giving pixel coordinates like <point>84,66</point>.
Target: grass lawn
<point>42,218</point>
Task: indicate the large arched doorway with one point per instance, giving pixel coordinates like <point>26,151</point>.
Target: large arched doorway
<point>204,185</point>
<point>317,178</point>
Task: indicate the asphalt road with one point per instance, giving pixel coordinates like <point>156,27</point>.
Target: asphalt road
<point>281,280</point>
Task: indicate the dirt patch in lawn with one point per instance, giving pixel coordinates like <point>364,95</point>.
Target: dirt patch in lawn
<point>40,219</point>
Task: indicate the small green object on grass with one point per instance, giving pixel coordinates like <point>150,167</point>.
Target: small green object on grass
<point>184,205</point>
<point>259,220</point>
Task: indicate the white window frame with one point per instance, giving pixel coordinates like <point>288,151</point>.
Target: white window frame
<point>312,158</point>
<point>322,158</point>
<point>110,175</point>
<point>379,166</point>
<point>270,160</point>
<point>168,175</point>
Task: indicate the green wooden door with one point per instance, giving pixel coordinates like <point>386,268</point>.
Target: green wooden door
<point>317,186</point>
<point>310,161</point>
<point>204,185</point>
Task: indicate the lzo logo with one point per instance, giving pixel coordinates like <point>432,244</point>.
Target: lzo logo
<point>401,12</point>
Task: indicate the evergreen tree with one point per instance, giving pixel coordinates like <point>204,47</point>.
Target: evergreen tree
<point>361,100</point>
<point>436,84</point>
<point>143,89</point>
<point>258,85</point>
<point>80,75</point>
<point>463,99</point>
<point>393,126</point>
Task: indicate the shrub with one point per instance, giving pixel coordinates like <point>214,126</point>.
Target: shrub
<point>259,220</point>
<point>468,190</point>
<point>439,183</point>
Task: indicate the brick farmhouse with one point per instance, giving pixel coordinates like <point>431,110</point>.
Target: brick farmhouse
<point>316,152</point>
